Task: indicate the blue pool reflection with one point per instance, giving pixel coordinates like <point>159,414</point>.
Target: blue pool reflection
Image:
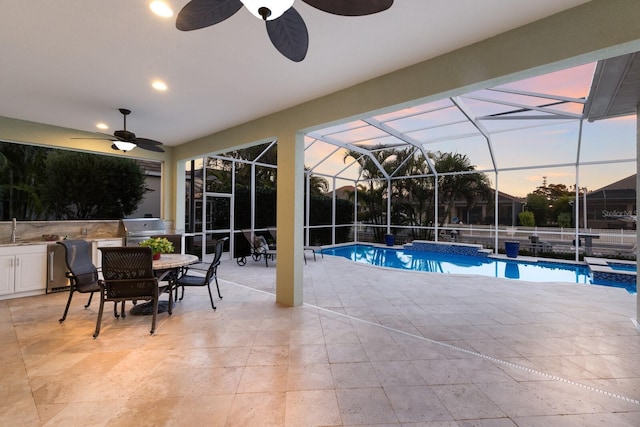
<point>432,262</point>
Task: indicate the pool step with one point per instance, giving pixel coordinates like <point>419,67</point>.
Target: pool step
<point>603,269</point>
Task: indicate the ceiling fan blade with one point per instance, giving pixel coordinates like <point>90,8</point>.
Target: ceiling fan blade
<point>289,35</point>
<point>203,13</point>
<point>146,141</point>
<point>351,7</point>
<point>101,137</point>
<point>149,144</point>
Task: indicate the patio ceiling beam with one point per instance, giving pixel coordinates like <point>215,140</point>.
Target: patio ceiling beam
<point>311,169</point>
<point>436,126</point>
<point>365,140</point>
<point>360,125</point>
<point>450,138</point>
<point>339,173</point>
<point>413,153</point>
<point>409,140</point>
<point>357,149</point>
<point>525,107</point>
<point>417,113</point>
<point>382,147</point>
<point>459,103</point>
<point>246,162</point>
<point>267,148</point>
<point>531,125</point>
<point>539,95</point>
<point>527,117</point>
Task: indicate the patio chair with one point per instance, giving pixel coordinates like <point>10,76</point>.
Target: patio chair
<point>198,280</point>
<point>82,274</point>
<point>128,276</point>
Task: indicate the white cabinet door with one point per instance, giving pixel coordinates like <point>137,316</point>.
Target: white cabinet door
<point>31,272</point>
<point>23,268</point>
<point>6,274</point>
<point>97,255</point>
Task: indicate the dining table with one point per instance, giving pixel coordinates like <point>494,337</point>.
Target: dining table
<point>166,268</point>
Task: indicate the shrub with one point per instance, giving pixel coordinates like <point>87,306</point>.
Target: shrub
<point>527,219</point>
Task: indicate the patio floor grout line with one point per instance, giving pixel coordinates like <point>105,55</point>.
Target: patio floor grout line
<point>460,349</point>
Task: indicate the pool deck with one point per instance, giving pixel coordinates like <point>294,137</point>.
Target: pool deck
<point>370,346</point>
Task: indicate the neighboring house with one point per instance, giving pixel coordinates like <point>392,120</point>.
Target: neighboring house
<point>612,206</point>
<point>482,213</point>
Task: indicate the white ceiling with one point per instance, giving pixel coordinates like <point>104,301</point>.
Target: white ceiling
<point>73,63</point>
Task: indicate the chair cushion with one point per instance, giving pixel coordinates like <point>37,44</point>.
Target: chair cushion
<point>188,280</point>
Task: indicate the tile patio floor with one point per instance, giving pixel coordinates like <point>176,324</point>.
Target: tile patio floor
<point>370,346</point>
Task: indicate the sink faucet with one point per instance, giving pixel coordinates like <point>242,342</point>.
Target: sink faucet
<point>13,231</point>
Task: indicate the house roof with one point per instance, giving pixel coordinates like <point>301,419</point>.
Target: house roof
<point>623,184</point>
<point>622,189</point>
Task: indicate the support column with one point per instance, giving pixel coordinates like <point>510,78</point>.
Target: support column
<point>637,199</point>
<point>290,219</point>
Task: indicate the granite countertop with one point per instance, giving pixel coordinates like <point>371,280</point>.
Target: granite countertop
<point>50,242</point>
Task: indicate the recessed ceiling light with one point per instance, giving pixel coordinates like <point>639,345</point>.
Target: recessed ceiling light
<point>102,126</point>
<point>160,8</point>
<point>159,85</point>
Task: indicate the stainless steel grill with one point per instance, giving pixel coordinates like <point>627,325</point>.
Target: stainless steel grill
<point>135,230</point>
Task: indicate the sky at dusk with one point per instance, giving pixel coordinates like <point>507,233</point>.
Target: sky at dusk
<point>525,152</point>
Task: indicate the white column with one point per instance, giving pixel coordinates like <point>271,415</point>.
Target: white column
<point>290,220</point>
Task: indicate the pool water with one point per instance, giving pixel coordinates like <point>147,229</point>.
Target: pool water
<point>622,267</point>
<point>541,271</point>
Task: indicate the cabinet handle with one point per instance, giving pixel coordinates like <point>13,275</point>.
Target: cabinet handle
<point>17,262</point>
<point>51,254</point>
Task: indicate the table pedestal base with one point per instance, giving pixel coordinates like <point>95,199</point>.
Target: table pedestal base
<point>147,308</point>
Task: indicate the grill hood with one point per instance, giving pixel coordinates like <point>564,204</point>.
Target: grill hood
<point>136,230</point>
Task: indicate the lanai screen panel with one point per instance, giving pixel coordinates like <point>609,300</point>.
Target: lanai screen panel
<point>525,125</point>
<point>329,160</point>
<point>475,148</point>
<point>537,146</point>
<point>609,140</point>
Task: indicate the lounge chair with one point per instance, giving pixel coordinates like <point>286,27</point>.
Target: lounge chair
<point>259,249</point>
<point>313,249</point>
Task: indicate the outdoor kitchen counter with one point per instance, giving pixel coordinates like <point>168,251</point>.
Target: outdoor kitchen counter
<point>50,242</point>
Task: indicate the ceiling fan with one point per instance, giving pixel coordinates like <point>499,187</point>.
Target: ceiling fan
<point>285,26</point>
<point>125,140</point>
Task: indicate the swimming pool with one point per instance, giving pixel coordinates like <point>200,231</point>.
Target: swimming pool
<point>540,271</point>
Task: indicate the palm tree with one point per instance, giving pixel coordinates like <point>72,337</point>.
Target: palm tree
<point>413,196</point>
<point>457,182</point>
<point>318,186</point>
<point>372,194</point>
<point>415,192</point>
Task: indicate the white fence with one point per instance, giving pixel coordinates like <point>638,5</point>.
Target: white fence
<point>606,242</point>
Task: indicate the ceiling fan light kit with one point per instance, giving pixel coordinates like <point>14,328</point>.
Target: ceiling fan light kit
<point>123,146</point>
<point>267,9</point>
<point>285,27</point>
